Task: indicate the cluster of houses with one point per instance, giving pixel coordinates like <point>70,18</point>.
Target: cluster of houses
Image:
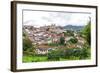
<point>45,35</point>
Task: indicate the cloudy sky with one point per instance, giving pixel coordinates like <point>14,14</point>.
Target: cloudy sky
<point>41,18</point>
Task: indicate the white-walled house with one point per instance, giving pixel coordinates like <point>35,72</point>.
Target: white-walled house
<point>41,51</point>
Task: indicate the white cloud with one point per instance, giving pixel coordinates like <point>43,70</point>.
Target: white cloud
<point>41,18</point>
<point>79,19</point>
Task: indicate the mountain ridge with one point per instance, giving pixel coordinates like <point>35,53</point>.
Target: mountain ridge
<point>73,27</point>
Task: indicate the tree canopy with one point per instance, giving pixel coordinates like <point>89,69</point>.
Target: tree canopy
<point>87,32</point>
<point>62,40</point>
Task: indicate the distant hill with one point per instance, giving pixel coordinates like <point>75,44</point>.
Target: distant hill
<point>73,27</point>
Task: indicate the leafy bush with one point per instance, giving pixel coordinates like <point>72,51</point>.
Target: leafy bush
<point>70,33</point>
<point>24,34</point>
<point>73,40</point>
<point>62,41</point>
<point>55,55</point>
<point>69,54</point>
<point>27,44</point>
<point>83,53</point>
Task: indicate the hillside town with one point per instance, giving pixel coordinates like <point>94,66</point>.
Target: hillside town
<point>44,35</point>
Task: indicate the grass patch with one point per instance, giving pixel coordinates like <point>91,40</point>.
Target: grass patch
<point>34,58</point>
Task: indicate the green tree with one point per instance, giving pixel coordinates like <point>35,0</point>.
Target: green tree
<point>55,55</point>
<point>73,40</point>
<point>26,43</point>
<point>70,33</point>
<point>24,34</point>
<point>87,32</point>
<point>62,40</point>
